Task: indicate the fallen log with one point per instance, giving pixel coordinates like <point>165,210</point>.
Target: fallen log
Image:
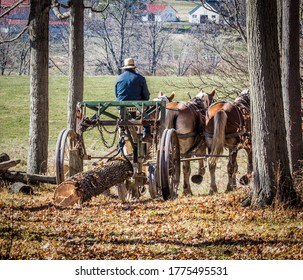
<point>20,188</point>
<point>5,165</point>
<point>17,176</point>
<point>4,157</point>
<point>83,186</point>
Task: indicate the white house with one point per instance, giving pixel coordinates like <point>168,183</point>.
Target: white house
<point>205,13</point>
<point>159,12</point>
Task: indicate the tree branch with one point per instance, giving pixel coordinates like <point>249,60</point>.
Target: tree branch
<point>16,37</point>
<point>93,9</point>
<point>11,8</point>
<point>56,9</point>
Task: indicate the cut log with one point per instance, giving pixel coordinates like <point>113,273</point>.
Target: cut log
<point>20,188</point>
<point>83,186</point>
<point>4,157</point>
<point>16,176</point>
<point>5,165</point>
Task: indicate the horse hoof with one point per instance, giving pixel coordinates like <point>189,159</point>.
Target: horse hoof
<point>197,179</point>
<point>244,180</point>
<point>211,192</point>
<point>230,189</point>
<point>187,193</point>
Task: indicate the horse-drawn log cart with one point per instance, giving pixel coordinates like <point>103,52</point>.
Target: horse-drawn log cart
<point>155,165</point>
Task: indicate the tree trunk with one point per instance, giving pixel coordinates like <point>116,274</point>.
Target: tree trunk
<point>84,185</point>
<point>38,127</point>
<point>291,80</point>
<point>272,177</point>
<point>76,60</point>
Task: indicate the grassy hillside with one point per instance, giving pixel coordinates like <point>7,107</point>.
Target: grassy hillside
<point>14,106</point>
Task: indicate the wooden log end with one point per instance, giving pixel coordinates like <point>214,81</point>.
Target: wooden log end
<point>66,194</point>
<point>19,187</point>
<point>4,157</point>
<point>83,186</point>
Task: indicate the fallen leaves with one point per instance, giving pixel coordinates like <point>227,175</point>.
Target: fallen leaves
<point>198,227</point>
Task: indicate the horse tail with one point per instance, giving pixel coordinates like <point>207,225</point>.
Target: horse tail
<point>218,140</point>
<point>170,119</point>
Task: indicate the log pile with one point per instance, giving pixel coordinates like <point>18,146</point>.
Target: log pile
<point>18,176</point>
<point>6,162</point>
<point>83,186</point>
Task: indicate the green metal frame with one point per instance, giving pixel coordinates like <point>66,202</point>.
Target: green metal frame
<point>146,109</point>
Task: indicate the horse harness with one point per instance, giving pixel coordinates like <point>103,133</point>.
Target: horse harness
<point>198,110</point>
<point>243,115</point>
<point>244,106</point>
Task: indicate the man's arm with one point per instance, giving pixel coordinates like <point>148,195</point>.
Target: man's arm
<point>145,91</point>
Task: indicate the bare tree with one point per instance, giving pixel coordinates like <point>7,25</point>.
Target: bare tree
<point>155,42</point>
<point>4,57</point>
<point>117,28</point>
<point>38,131</point>
<point>290,65</point>
<point>272,177</point>
<point>76,60</point>
<point>223,48</point>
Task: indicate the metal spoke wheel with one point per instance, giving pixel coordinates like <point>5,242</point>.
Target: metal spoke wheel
<point>153,183</point>
<point>68,160</point>
<point>169,161</point>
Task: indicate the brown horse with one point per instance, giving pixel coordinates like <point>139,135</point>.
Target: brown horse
<point>228,125</point>
<point>188,119</point>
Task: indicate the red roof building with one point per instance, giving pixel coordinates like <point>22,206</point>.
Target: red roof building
<point>159,12</point>
<point>19,16</point>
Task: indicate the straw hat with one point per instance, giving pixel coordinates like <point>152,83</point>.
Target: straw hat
<point>129,63</point>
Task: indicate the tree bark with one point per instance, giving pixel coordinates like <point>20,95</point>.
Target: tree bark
<point>38,127</point>
<point>84,185</point>
<point>290,62</point>
<point>272,177</point>
<point>76,60</point>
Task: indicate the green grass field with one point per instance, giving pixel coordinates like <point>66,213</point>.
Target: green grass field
<point>14,106</point>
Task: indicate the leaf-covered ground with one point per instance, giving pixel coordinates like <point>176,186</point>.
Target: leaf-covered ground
<point>197,227</point>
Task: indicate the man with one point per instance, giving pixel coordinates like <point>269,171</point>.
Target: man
<point>132,86</point>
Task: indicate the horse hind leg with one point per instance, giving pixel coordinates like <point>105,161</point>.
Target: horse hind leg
<point>212,172</point>
<point>232,168</point>
<point>198,178</point>
<point>186,173</point>
<point>245,179</point>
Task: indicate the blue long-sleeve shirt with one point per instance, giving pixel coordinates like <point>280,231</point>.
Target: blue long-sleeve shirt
<point>131,86</point>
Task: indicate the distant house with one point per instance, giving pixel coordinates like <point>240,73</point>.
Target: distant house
<point>159,12</point>
<point>18,17</point>
<point>205,13</point>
